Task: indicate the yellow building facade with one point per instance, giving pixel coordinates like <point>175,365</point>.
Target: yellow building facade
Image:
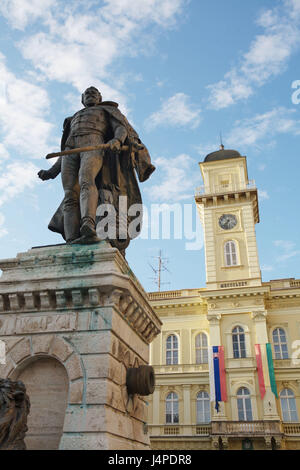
<point>236,311</point>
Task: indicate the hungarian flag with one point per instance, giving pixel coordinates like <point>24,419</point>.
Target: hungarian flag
<point>265,369</point>
<point>260,371</point>
<point>217,378</point>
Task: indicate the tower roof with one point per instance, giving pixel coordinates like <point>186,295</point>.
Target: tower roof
<point>222,154</point>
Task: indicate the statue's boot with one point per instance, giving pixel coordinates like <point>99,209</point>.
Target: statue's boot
<point>87,228</point>
<point>85,240</point>
<point>87,232</point>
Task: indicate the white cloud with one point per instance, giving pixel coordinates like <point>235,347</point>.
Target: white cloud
<point>263,194</point>
<point>22,12</point>
<point>175,111</point>
<point>227,92</point>
<point>15,178</point>
<point>3,152</point>
<point>258,131</point>
<point>288,248</point>
<point>267,268</point>
<point>267,56</point>
<point>294,6</point>
<point>79,42</point>
<point>205,149</point>
<point>162,12</point>
<point>3,231</point>
<point>262,166</point>
<point>178,179</point>
<point>261,127</point>
<point>23,110</point>
<point>24,130</point>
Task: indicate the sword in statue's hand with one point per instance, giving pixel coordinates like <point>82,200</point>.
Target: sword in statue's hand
<point>89,149</point>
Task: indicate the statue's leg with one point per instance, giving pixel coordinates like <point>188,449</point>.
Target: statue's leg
<point>69,175</point>
<point>91,164</point>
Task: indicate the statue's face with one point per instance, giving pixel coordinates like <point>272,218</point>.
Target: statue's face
<point>91,97</point>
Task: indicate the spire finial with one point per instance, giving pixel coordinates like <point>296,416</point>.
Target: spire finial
<point>221,142</point>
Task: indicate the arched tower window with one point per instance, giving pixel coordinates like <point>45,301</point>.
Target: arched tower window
<point>201,347</point>
<point>288,405</point>
<point>172,408</point>
<point>280,344</point>
<point>244,404</point>
<point>238,342</point>
<point>172,350</point>
<point>203,407</point>
<point>230,253</point>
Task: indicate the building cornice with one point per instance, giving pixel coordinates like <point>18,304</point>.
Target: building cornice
<point>235,292</point>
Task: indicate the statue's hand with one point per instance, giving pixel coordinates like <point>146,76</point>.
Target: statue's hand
<point>115,145</point>
<point>45,175</point>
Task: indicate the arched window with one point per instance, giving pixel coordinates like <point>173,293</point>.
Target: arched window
<point>203,408</point>
<point>230,253</point>
<point>172,350</point>
<point>172,413</point>
<point>288,405</point>
<point>238,342</point>
<point>201,349</point>
<point>280,344</point>
<point>244,404</point>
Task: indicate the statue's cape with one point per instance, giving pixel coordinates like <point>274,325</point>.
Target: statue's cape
<point>117,176</point>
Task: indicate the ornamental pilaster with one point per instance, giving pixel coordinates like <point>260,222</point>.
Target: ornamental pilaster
<point>259,317</point>
<point>214,329</point>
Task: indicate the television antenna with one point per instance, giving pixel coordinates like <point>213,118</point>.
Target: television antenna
<point>161,267</point>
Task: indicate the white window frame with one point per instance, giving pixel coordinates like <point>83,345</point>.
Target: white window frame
<point>202,349</point>
<point>172,349</point>
<point>280,354</point>
<point>230,254</point>
<point>290,399</point>
<point>172,408</point>
<point>244,399</point>
<point>203,408</point>
<point>240,333</point>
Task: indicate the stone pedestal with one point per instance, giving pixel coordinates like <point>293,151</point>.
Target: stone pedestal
<point>73,320</point>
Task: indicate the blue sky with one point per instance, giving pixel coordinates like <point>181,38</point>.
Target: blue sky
<point>181,71</point>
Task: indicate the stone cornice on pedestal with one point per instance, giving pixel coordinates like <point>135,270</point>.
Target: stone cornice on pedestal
<point>66,277</point>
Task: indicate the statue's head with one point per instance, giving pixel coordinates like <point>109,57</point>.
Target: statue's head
<point>91,97</point>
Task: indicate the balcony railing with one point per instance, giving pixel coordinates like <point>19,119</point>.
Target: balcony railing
<point>202,429</point>
<point>174,294</point>
<point>223,188</point>
<point>180,430</point>
<point>180,368</point>
<point>171,430</point>
<point>237,428</point>
<point>234,429</point>
<point>245,428</point>
<point>291,429</point>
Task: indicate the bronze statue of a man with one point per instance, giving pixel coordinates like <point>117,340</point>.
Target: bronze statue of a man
<point>91,178</point>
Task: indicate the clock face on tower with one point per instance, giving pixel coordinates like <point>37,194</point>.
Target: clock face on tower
<point>227,221</point>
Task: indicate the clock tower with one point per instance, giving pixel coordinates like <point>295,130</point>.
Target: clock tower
<point>228,208</point>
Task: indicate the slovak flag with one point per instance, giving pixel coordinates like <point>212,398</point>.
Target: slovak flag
<point>217,378</point>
